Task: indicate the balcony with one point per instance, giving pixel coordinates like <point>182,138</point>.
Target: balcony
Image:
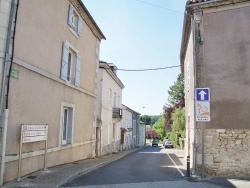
<point>117,114</point>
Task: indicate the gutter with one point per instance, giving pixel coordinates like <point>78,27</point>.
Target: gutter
<point>91,18</point>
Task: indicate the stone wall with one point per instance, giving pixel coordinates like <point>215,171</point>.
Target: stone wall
<point>226,152</point>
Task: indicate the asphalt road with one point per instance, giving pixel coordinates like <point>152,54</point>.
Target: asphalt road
<point>151,164</point>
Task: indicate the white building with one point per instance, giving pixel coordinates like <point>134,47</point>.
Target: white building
<point>127,127</point>
<point>142,133</point>
<point>109,113</point>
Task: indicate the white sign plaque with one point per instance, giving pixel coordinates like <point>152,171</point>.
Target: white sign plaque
<point>202,111</point>
<point>34,133</point>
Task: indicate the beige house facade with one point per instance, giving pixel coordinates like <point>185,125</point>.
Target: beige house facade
<point>53,82</point>
<point>109,109</point>
<point>215,54</point>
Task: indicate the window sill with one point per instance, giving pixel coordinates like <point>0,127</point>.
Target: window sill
<point>73,31</point>
<point>65,146</point>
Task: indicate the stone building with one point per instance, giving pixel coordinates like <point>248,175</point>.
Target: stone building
<point>215,54</point>
<point>52,80</point>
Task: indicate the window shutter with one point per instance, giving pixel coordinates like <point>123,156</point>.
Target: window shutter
<point>64,66</point>
<point>79,27</point>
<point>78,70</point>
<point>71,8</point>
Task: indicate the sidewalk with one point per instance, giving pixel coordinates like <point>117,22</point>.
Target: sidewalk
<point>56,176</point>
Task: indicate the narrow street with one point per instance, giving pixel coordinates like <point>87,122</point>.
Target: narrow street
<point>151,164</point>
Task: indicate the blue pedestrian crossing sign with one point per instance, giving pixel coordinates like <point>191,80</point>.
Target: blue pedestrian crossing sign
<point>202,94</point>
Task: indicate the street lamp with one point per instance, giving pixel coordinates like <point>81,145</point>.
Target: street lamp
<point>198,20</point>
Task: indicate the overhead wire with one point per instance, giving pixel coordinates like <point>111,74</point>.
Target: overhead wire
<point>159,6</point>
<point>152,69</point>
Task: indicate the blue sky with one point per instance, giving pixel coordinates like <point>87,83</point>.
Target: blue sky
<point>141,34</point>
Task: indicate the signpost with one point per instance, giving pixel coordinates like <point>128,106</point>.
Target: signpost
<point>202,106</point>
<point>32,133</point>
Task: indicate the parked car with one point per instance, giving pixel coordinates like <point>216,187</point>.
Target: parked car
<point>168,144</point>
<point>163,143</point>
<point>155,142</point>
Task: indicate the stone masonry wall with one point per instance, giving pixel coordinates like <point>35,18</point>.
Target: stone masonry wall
<point>227,152</point>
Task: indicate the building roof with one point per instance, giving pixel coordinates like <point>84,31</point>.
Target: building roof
<point>106,66</point>
<point>89,17</point>
<point>196,1</point>
<point>129,109</point>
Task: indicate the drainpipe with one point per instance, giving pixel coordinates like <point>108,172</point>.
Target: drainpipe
<point>6,111</point>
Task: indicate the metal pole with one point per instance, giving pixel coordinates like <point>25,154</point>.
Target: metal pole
<point>46,148</point>
<point>4,138</point>
<point>188,166</point>
<point>203,153</point>
<point>20,155</point>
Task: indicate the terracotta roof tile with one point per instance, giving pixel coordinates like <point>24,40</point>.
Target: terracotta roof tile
<point>195,1</point>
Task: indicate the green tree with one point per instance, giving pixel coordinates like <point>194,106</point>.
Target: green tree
<point>176,92</point>
<point>159,127</point>
<point>178,126</point>
<point>150,120</point>
<point>154,119</point>
<point>174,112</point>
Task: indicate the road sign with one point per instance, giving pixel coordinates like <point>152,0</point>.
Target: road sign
<point>202,111</point>
<point>34,139</point>
<point>202,94</point>
<point>34,133</point>
<point>35,127</point>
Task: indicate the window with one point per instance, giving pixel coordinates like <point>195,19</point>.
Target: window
<point>71,65</point>
<point>118,102</point>
<point>75,20</point>
<point>115,100</point>
<point>67,125</point>
<point>110,98</point>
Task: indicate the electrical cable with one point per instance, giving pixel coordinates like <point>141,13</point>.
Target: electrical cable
<point>159,6</point>
<point>153,69</point>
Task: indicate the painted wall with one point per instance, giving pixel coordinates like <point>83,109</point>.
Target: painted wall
<point>110,130</point>
<point>142,132</point>
<point>226,59</point>
<point>222,65</point>
<point>189,102</point>
<point>38,94</point>
<point>127,124</point>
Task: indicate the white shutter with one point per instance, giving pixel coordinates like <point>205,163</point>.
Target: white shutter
<point>71,8</point>
<point>78,70</point>
<point>65,56</point>
<point>79,26</point>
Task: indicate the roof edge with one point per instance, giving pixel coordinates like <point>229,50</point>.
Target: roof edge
<point>105,66</point>
<point>92,20</point>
